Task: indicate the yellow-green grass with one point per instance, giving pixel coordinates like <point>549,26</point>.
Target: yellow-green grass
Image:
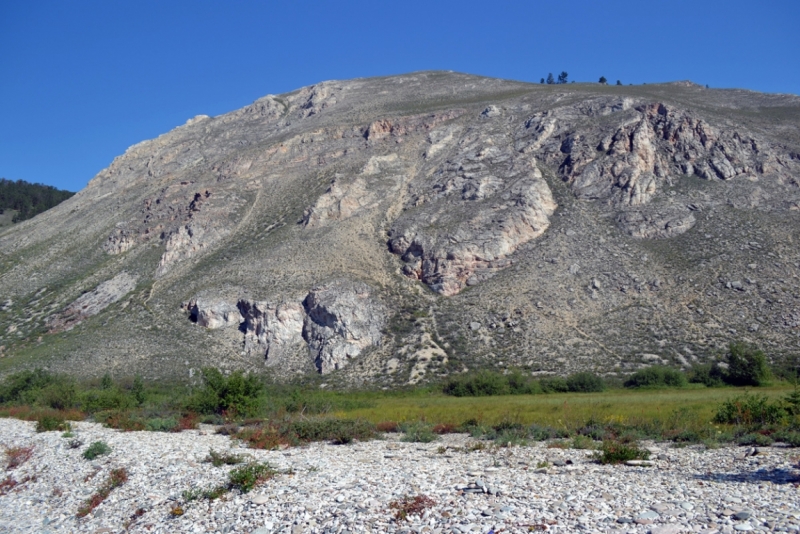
<point>695,405</point>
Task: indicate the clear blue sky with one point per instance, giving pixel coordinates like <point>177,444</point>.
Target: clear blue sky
<point>80,81</point>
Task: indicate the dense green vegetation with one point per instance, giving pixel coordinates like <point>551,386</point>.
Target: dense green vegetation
<point>653,403</point>
<point>29,199</point>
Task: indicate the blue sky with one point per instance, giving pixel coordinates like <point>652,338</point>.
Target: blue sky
<point>80,81</point>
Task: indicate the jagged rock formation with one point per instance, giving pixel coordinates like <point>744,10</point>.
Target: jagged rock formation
<point>398,229</point>
<point>272,330</point>
<point>342,320</point>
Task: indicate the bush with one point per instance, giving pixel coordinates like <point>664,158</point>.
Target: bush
<point>584,382</point>
<point>418,432</point>
<point>340,431</point>
<point>110,398</point>
<point>711,375</point>
<point>49,421</point>
<point>237,394</point>
<point>98,448</point>
<point>617,452</point>
<point>480,384</point>
<point>59,395</point>
<point>747,366</point>
<point>656,376</point>
<point>161,424</point>
<point>22,386</point>
<point>750,411</point>
<point>553,384</point>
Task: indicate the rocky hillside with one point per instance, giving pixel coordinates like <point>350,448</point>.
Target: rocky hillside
<point>393,230</point>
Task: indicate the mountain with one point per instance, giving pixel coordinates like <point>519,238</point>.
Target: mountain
<point>394,230</point>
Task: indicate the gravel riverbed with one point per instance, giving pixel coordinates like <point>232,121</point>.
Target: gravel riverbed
<point>324,488</point>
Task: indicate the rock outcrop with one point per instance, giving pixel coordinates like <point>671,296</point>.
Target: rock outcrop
<point>272,331</point>
<point>92,302</point>
<point>342,320</point>
<point>214,313</point>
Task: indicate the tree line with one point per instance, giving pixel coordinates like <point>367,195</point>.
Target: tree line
<point>29,199</point>
<point>564,78</point>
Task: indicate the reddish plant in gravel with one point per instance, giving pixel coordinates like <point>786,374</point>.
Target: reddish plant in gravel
<point>187,422</point>
<point>116,478</point>
<point>445,428</point>
<point>411,506</point>
<point>17,456</point>
<point>388,426</point>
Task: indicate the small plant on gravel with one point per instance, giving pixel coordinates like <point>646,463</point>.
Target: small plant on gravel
<point>7,485</point>
<point>51,420</point>
<point>116,478</point>
<point>583,442</point>
<point>411,506</point>
<point>16,456</point>
<point>418,432</point>
<point>176,511</point>
<point>210,494</point>
<point>248,476</point>
<point>616,452</point>
<point>98,448</point>
<point>218,459</point>
<point>543,464</point>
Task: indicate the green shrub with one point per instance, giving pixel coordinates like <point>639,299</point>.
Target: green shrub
<point>747,366</point>
<point>238,394</point>
<point>584,382</point>
<point>247,477</point>
<point>137,390</point>
<point>543,433</point>
<point>418,432</point>
<point>755,439</point>
<point>161,424</point>
<point>480,384</point>
<point>553,384</point>
<point>98,448</point>
<point>99,400</point>
<point>617,452</point>
<point>710,374</point>
<point>23,386</point>
<point>340,431</point>
<point>790,436</point>
<point>656,376</point>
<point>750,411</point>
<point>59,395</point>
<point>49,421</point>
<point>521,384</point>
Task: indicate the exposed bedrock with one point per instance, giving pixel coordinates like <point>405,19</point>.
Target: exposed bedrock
<point>342,320</point>
<point>214,313</point>
<point>334,323</point>
<point>92,302</point>
<point>272,330</point>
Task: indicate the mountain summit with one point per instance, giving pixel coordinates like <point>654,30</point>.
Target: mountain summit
<point>393,230</point>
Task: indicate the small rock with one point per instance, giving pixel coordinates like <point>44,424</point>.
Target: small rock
<point>741,516</point>
<point>474,325</point>
<point>259,499</point>
<point>640,463</point>
<point>666,529</point>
